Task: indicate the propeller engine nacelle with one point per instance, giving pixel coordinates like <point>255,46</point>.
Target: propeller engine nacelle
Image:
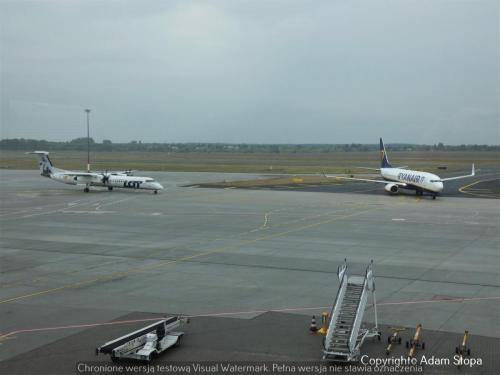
<point>392,188</point>
<point>105,178</point>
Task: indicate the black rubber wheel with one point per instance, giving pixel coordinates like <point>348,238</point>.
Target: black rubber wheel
<point>456,349</point>
<point>407,345</point>
<point>86,190</point>
<point>389,339</point>
<point>156,191</point>
<point>399,340</point>
<point>110,188</point>
<point>468,352</point>
<point>423,346</point>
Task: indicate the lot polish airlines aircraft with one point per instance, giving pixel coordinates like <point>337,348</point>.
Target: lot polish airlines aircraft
<point>109,180</point>
<point>396,178</point>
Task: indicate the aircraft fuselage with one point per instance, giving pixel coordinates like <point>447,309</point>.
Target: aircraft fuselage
<point>112,181</point>
<point>415,180</point>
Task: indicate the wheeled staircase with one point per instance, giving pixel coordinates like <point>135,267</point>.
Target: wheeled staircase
<point>344,336</point>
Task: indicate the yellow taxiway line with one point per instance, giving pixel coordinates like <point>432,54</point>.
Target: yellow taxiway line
<point>463,188</point>
<point>131,271</point>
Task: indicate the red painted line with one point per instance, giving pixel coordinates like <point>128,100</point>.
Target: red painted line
<point>458,299</point>
<point>117,322</point>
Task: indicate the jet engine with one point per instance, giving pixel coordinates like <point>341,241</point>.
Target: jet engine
<point>392,188</point>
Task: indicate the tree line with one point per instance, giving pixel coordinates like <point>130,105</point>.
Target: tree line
<point>80,144</point>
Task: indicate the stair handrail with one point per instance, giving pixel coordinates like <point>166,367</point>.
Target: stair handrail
<point>353,338</point>
<point>342,274</point>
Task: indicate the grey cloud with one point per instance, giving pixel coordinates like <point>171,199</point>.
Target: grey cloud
<point>252,71</point>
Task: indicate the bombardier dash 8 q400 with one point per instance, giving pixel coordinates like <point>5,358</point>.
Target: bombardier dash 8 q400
<point>87,179</point>
<point>396,178</point>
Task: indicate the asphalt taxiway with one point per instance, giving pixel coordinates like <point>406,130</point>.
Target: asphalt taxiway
<point>69,259</point>
<point>486,184</point>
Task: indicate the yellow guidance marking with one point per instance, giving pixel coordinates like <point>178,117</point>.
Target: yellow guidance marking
<point>463,189</point>
<point>132,271</point>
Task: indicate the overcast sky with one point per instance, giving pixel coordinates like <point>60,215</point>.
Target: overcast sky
<point>419,71</point>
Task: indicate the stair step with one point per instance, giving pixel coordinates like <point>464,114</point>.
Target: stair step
<point>343,350</point>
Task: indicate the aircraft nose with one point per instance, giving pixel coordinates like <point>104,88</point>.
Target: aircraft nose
<point>158,186</point>
<point>440,186</point>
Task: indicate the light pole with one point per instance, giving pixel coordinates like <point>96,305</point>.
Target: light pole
<point>88,140</point>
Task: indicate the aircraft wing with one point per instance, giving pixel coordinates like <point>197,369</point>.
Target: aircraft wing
<point>378,169</point>
<point>368,180</point>
<point>472,174</point>
<point>368,168</point>
<point>83,174</point>
<point>84,177</point>
<point>128,172</point>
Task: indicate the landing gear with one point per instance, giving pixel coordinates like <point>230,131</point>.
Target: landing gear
<point>156,191</point>
<point>110,188</point>
<point>434,196</point>
<point>86,190</point>
<point>419,192</point>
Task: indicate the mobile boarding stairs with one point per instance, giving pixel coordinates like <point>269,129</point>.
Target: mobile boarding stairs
<point>345,336</point>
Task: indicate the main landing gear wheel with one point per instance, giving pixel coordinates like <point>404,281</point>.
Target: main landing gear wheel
<point>110,188</point>
<point>434,197</point>
<point>86,190</point>
<point>156,191</point>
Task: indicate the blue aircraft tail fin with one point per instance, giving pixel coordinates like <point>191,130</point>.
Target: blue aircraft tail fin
<point>384,161</point>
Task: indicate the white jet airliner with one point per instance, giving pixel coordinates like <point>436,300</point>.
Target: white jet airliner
<point>87,179</point>
<point>396,178</point>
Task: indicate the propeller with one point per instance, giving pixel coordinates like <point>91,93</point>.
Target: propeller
<point>105,177</point>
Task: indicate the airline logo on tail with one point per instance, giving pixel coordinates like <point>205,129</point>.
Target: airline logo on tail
<point>384,161</point>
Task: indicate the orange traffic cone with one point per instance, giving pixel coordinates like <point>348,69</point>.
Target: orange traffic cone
<point>313,328</point>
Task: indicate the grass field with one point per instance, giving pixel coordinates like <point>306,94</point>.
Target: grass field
<point>292,163</point>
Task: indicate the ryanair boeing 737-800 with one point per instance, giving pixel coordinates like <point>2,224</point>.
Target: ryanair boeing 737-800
<point>87,179</point>
<point>396,178</point>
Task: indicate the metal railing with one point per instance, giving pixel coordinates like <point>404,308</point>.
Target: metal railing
<point>343,275</point>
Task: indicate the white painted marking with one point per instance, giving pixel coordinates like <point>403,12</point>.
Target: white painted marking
<point>398,219</point>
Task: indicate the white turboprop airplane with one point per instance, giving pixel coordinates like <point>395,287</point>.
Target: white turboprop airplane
<point>396,178</point>
<point>109,180</point>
